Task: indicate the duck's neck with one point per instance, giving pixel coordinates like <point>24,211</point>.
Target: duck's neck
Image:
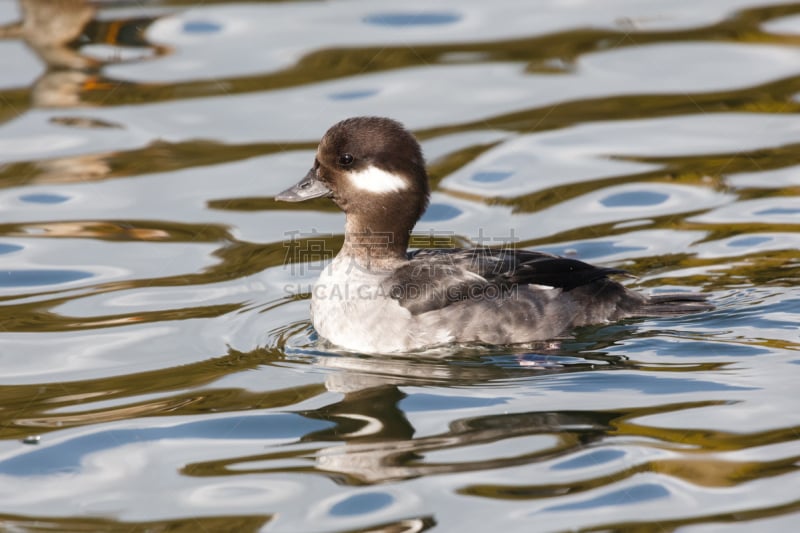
<point>378,245</point>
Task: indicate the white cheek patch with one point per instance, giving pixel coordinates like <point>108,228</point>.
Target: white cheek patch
<point>374,179</point>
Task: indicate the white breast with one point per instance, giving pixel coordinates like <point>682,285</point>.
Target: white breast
<point>351,309</point>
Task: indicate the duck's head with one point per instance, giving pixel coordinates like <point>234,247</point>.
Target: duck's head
<point>373,169</point>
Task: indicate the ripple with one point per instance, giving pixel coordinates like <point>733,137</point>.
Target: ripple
<point>752,243</point>
<point>353,95</point>
<point>69,454</point>
<point>437,212</point>
<point>239,493</point>
<point>648,385</point>
<point>634,199</point>
<point>413,19</point>
<point>593,458</point>
<point>362,503</point>
<point>352,508</point>
<point>779,210</point>
<point>44,198</point>
<point>434,402</point>
<point>667,347</point>
<point>593,249</point>
<point>9,248</point>
<point>201,26</point>
<point>34,278</point>
<point>182,384</point>
<point>748,242</point>
<point>488,176</point>
<point>628,496</point>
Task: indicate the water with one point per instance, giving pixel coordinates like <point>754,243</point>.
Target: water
<point>159,370</point>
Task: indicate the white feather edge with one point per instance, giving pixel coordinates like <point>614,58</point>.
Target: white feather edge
<point>374,179</point>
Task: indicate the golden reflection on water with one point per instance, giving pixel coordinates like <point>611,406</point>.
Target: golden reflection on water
<point>372,438</point>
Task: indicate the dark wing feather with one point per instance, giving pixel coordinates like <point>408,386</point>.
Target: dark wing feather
<point>435,278</point>
<point>433,283</point>
<point>512,266</point>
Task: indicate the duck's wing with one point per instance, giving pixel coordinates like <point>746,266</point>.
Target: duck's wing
<point>511,266</point>
<point>430,283</point>
<point>435,278</point>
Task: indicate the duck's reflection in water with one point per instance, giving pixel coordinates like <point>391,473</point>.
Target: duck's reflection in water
<point>373,439</point>
<point>57,30</point>
<point>379,443</point>
<point>373,460</point>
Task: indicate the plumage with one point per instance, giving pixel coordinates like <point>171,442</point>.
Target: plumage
<point>377,297</point>
<point>435,278</point>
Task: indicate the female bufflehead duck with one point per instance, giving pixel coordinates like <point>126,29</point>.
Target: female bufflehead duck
<point>375,296</point>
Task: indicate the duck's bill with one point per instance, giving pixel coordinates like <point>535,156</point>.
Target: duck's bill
<point>309,187</point>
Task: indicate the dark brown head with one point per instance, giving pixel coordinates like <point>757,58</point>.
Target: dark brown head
<point>373,169</point>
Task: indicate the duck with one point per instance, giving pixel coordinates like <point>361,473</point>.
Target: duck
<point>376,296</point>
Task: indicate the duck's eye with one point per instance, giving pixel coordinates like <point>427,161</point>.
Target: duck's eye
<point>346,159</point>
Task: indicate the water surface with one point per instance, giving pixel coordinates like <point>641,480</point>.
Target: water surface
<point>159,369</point>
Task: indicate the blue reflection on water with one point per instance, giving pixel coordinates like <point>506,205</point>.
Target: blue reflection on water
<point>67,455</point>
<point>780,211</point>
<point>634,198</point>
<point>412,19</point>
<point>636,494</point>
<point>491,176</point>
<point>745,242</point>
<point>201,26</point>
<point>685,348</point>
<point>44,198</point>
<point>590,250</point>
<point>33,278</point>
<point>648,385</point>
<point>434,402</point>
<point>362,503</point>
<point>590,459</point>
<point>778,315</point>
<point>8,248</point>
<point>440,212</point>
<point>353,95</point>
